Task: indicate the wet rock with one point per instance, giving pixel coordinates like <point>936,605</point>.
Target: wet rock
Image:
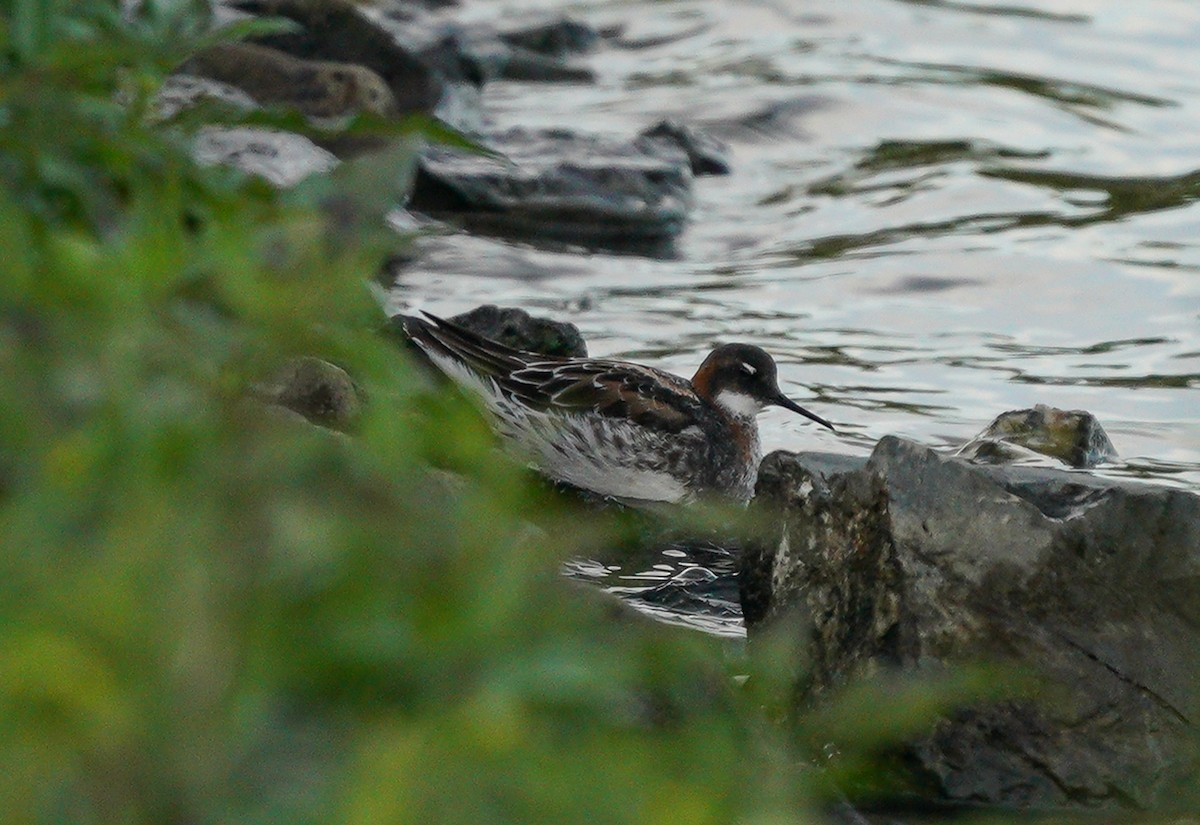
<point>515,328</point>
<point>336,30</point>
<point>532,67</point>
<point>556,38</point>
<point>183,91</point>
<point>490,56</point>
<point>321,392</point>
<point>317,88</point>
<point>560,186</point>
<point>1074,437</point>
<point>706,154</point>
<point>518,329</point>
<point>282,158</point>
<point>921,558</point>
<point>451,56</point>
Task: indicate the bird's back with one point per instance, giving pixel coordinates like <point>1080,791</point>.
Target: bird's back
<point>618,429</point>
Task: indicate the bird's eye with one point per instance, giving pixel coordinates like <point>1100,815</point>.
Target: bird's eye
<point>748,369</point>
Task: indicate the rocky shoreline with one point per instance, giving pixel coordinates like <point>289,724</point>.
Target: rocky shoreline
<point>914,560</point>
<point>908,560</point>
<point>405,59</point>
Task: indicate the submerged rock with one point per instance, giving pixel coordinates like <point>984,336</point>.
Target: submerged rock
<point>706,154</point>
<point>920,558</point>
<point>537,54</point>
<point>1074,437</point>
<point>558,185</point>
<point>534,67</point>
<point>557,38</point>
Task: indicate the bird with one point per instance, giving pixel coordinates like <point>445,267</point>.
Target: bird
<point>622,430</point>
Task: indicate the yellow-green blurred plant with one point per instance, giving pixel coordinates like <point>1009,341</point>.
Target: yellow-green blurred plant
<point>210,613</point>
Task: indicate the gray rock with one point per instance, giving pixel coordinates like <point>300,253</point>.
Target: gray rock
<point>183,91</point>
<point>921,558</point>
<point>1073,437</point>
<point>559,186</point>
<point>282,158</point>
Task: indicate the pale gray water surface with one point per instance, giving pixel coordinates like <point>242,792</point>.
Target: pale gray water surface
<point>939,211</point>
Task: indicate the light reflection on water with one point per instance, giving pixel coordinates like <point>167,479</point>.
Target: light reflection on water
<point>939,211</point>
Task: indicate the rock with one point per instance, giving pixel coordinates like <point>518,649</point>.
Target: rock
<point>921,558</point>
<point>516,328</point>
<point>706,154</point>
<point>1074,437</point>
<point>336,30</point>
<point>484,55</point>
<point>557,38</point>
<point>183,91</point>
<point>319,391</point>
<point>454,60</point>
<point>282,158</point>
<point>532,67</point>
<point>559,186</point>
<point>317,88</point>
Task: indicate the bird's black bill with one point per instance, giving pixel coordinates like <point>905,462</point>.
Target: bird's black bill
<point>782,400</point>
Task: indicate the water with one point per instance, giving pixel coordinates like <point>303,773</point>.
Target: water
<point>939,211</point>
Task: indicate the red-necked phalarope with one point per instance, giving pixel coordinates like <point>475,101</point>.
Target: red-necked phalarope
<point>615,428</point>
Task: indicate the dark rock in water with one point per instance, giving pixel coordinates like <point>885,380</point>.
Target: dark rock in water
<point>559,186</point>
<point>453,59</point>
<point>532,67</point>
<point>318,88</point>
<point>706,154</point>
<point>921,558</point>
<point>557,38</point>
<point>515,328</point>
<point>336,30</point>
<point>490,58</point>
<point>1074,437</point>
<point>482,54</point>
<point>319,391</point>
<point>518,329</point>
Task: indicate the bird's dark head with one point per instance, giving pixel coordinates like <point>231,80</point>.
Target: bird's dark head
<point>742,379</point>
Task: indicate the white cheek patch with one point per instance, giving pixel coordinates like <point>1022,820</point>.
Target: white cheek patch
<point>739,404</point>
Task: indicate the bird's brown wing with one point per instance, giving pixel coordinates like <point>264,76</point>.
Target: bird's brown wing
<point>648,397</point>
<point>437,336</point>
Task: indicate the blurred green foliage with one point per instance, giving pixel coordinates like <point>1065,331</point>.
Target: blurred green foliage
<point>209,613</point>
